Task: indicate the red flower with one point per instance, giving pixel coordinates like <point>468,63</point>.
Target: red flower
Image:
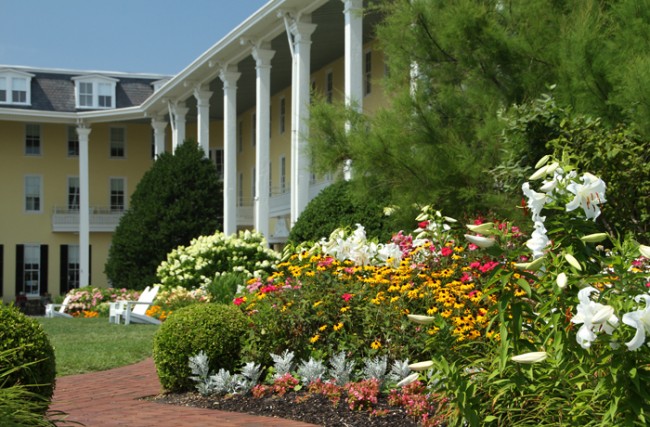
<point>346,297</point>
<point>423,224</point>
<point>446,251</point>
<point>238,301</point>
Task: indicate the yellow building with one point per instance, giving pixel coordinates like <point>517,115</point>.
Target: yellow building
<point>74,144</point>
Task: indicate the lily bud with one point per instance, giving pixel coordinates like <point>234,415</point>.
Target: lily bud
<point>421,366</point>
<point>594,238</point>
<point>561,280</point>
<point>481,242</point>
<point>484,228</point>
<point>532,266</point>
<point>529,358</point>
<point>408,380</point>
<point>573,261</point>
<point>540,173</point>
<point>645,250</point>
<point>542,161</point>
<point>421,320</point>
<point>551,168</point>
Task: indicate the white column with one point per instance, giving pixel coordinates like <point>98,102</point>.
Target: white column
<point>203,118</point>
<point>84,207</point>
<point>229,76</point>
<point>353,10</point>
<point>180,110</point>
<point>262,150</point>
<point>300,86</point>
<point>158,126</point>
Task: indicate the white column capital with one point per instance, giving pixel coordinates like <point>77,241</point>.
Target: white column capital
<point>180,109</point>
<point>229,77</point>
<point>158,123</point>
<point>302,29</point>
<point>83,131</point>
<point>262,57</point>
<point>202,96</point>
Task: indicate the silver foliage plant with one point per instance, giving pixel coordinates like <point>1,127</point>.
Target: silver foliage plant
<point>341,372</point>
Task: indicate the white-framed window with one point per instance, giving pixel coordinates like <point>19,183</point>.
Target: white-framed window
<point>72,267</point>
<point>367,75</point>
<point>283,174</point>
<point>329,86</point>
<point>32,269</point>
<point>253,129</point>
<point>283,114</point>
<point>216,155</point>
<point>33,193</point>
<point>15,87</point>
<point>117,194</point>
<point>117,143</point>
<point>240,136</point>
<point>73,142</point>
<point>73,193</point>
<point>32,140</point>
<point>95,91</point>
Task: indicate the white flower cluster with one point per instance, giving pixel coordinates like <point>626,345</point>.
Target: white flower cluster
<point>206,258</point>
<point>588,192</point>
<point>356,248</point>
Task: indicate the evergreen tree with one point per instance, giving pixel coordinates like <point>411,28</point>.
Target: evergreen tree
<point>178,199</point>
<point>454,67</point>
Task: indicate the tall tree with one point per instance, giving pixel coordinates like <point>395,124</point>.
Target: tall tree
<point>455,66</point>
<point>178,199</point>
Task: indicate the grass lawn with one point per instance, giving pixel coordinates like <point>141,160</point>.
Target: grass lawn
<point>86,345</point>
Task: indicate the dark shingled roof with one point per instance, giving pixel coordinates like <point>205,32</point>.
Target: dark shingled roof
<point>55,92</point>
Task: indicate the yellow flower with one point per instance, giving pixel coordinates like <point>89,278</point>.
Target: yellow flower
<point>344,309</point>
<point>376,345</point>
<point>338,326</point>
<point>322,328</point>
<point>314,338</point>
<point>317,303</point>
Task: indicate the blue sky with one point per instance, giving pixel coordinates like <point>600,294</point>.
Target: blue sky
<point>142,36</point>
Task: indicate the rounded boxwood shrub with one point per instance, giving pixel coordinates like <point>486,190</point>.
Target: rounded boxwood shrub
<point>215,329</point>
<point>24,344</point>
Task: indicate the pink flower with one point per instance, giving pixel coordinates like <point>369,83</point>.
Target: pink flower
<point>346,297</point>
<point>446,251</point>
<point>238,301</point>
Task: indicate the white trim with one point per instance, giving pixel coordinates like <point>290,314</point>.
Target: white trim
<point>95,81</point>
<point>9,75</point>
<point>41,197</point>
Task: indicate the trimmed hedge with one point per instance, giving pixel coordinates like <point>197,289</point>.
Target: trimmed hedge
<point>216,329</point>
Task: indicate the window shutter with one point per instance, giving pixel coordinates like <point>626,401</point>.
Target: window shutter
<point>2,269</point>
<point>63,278</point>
<point>20,265</point>
<point>43,285</point>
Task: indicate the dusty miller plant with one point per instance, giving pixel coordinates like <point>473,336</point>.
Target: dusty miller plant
<point>282,363</point>
<point>311,370</point>
<point>341,369</point>
<point>398,371</point>
<point>201,373</point>
<point>375,368</point>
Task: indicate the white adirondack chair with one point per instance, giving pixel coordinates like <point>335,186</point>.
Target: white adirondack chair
<point>116,310</point>
<point>51,311</point>
<point>135,311</point>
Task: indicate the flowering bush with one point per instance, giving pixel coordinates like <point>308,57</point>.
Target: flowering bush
<point>207,258</point>
<point>91,302</point>
<point>570,348</point>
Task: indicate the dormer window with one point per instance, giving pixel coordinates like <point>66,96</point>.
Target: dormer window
<point>95,92</point>
<point>15,87</point>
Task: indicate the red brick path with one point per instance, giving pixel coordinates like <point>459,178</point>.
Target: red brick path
<point>111,398</point>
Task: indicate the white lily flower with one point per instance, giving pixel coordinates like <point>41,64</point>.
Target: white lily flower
<point>480,241</point>
<point>421,366</point>
<point>420,319</point>
<point>538,240</point>
<point>594,317</point>
<point>645,250</point>
<point>588,195</point>
<point>529,358</point>
<point>639,319</point>
<point>536,201</point>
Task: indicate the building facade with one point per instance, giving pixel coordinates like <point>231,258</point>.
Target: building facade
<point>75,144</point>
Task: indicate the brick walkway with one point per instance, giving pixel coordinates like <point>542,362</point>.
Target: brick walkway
<point>111,398</point>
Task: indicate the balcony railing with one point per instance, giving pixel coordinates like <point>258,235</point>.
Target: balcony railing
<point>102,219</point>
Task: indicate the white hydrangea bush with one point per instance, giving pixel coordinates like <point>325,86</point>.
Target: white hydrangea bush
<point>207,258</point>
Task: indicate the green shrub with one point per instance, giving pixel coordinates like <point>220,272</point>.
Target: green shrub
<point>215,329</point>
<point>335,207</point>
<point>224,288</point>
<point>33,353</point>
<point>203,262</point>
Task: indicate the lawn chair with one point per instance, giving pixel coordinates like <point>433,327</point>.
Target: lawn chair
<point>116,309</point>
<point>136,311</point>
<point>50,309</point>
